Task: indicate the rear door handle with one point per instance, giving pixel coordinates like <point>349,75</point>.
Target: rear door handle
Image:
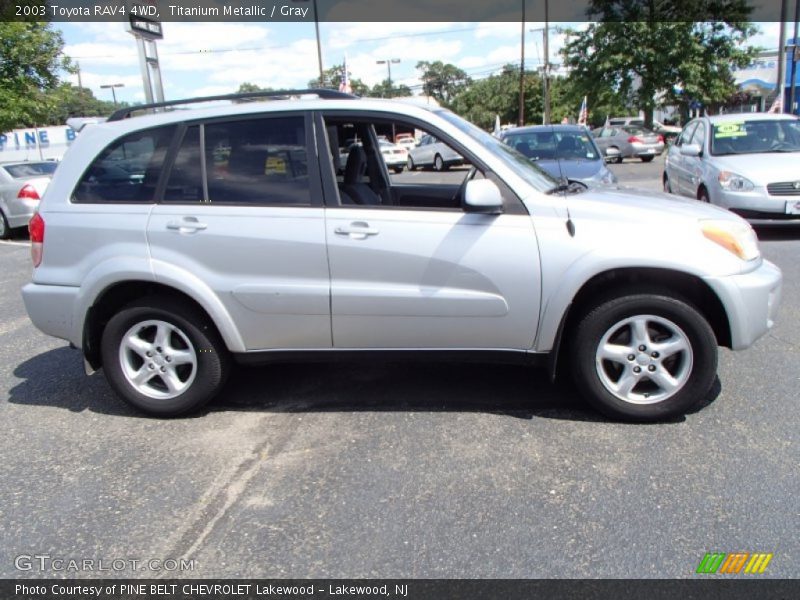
<point>357,230</point>
<point>187,225</point>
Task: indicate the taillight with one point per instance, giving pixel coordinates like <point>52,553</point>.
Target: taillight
<point>661,138</point>
<point>635,140</point>
<point>36,231</point>
<point>29,192</point>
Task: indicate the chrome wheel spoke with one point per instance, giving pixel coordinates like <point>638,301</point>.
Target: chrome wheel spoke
<point>615,353</point>
<point>182,357</point>
<point>671,346</point>
<point>142,376</point>
<point>627,382</point>
<point>172,381</point>
<point>639,334</point>
<point>162,336</point>
<point>138,345</point>
<point>664,380</point>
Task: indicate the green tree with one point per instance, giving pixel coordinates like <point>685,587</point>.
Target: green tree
<point>442,81</point>
<point>333,77</point>
<point>248,87</point>
<point>639,52</point>
<point>384,90</point>
<point>30,61</point>
<point>68,100</point>
<point>483,100</point>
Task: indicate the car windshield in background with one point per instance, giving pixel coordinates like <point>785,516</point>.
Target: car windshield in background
<point>551,145</point>
<point>755,137</point>
<point>635,130</point>
<point>519,163</point>
<point>34,169</point>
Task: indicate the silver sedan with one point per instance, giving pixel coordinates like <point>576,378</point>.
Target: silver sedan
<point>22,185</point>
<point>631,141</point>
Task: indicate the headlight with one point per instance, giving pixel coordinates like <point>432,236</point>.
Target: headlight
<point>737,238</point>
<point>733,182</point>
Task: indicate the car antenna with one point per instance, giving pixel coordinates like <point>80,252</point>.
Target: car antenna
<point>570,224</point>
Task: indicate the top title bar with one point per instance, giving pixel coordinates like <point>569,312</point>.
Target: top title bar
<point>389,10</point>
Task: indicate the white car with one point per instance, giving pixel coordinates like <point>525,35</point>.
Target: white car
<point>22,186</point>
<point>748,163</point>
<point>394,155</point>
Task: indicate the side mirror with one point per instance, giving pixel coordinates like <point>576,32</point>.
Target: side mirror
<point>691,150</point>
<point>483,196</point>
<point>612,154</point>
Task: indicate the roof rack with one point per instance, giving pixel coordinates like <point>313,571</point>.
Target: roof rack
<point>125,113</point>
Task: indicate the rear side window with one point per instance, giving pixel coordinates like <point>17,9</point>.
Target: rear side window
<point>40,169</point>
<point>128,170</point>
<point>258,161</point>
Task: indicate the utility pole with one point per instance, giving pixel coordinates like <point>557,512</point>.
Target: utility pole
<point>781,87</point>
<point>80,83</point>
<point>319,47</point>
<point>793,70</point>
<point>521,119</point>
<point>388,62</point>
<point>113,93</point>
<point>546,63</point>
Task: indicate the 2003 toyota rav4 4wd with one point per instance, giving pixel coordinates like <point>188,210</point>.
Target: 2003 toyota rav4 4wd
<point>170,244</point>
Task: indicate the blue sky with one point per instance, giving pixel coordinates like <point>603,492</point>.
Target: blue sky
<point>214,58</point>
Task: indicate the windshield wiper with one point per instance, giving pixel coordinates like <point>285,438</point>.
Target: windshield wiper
<point>571,187</point>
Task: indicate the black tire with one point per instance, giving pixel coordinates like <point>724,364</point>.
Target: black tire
<point>411,166</point>
<point>5,230</point>
<point>619,158</point>
<point>647,158</point>
<point>702,195</point>
<point>211,367</point>
<point>398,170</point>
<point>438,163</point>
<point>694,368</point>
<point>667,186</point>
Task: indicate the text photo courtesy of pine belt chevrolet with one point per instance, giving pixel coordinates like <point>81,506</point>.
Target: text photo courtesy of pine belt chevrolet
<point>748,163</point>
<point>232,233</point>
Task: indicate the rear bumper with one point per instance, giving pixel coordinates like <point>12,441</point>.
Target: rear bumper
<point>751,301</point>
<point>51,309</point>
<point>20,211</point>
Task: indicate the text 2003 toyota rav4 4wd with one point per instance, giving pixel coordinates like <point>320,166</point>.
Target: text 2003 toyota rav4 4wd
<point>170,244</point>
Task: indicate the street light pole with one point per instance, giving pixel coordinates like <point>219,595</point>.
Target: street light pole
<point>546,63</point>
<point>319,47</point>
<point>113,93</point>
<point>388,62</point>
<point>521,118</point>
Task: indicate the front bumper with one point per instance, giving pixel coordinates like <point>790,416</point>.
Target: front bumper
<point>51,309</point>
<point>758,207</point>
<point>751,301</point>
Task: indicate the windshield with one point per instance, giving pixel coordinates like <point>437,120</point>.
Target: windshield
<point>553,144</point>
<point>34,169</point>
<point>755,137</point>
<point>519,163</point>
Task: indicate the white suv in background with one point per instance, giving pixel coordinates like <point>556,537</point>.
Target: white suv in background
<point>170,244</point>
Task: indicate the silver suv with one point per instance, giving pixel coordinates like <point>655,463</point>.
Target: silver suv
<point>172,244</point>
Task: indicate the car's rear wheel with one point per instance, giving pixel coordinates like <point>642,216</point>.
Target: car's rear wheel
<point>647,158</point>
<point>162,357</point>
<point>438,163</point>
<point>667,186</point>
<point>644,357</point>
<point>398,169</point>
<point>5,230</point>
<point>411,165</point>
<point>702,195</point>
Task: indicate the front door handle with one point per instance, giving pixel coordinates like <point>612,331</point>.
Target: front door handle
<point>187,225</point>
<point>357,230</point>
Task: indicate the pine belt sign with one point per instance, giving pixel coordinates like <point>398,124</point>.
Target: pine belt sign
<point>44,143</point>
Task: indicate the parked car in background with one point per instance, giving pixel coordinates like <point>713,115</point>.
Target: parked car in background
<point>430,152</point>
<point>394,155</point>
<point>564,151</point>
<point>22,185</point>
<point>748,163</point>
<point>670,132</point>
<point>631,141</point>
<point>406,140</point>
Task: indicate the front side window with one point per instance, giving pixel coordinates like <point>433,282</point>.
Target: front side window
<point>128,170</point>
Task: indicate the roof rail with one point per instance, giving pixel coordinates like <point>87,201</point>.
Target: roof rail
<point>124,113</point>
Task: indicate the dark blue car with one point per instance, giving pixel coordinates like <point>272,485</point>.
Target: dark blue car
<point>564,151</point>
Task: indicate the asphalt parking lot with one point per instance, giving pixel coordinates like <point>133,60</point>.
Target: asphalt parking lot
<point>396,470</point>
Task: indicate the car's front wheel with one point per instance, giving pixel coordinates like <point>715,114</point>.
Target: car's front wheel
<point>398,169</point>
<point>411,166</point>
<point>162,357</point>
<point>644,357</point>
<point>5,230</point>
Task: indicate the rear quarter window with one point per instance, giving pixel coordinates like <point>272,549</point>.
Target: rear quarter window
<point>127,171</point>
